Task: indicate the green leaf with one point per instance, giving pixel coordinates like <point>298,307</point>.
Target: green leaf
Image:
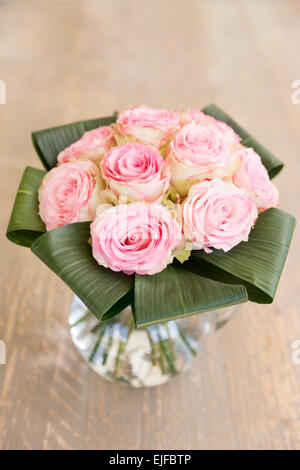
<point>66,251</point>
<point>176,292</point>
<point>126,300</point>
<point>25,224</point>
<point>258,263</point>
<point>272,164</point>
<point>49,142</point>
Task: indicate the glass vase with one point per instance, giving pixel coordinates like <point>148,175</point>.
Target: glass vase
<point>143,357</point>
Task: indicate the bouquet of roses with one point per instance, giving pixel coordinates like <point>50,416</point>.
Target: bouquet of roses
<point>171,212</point>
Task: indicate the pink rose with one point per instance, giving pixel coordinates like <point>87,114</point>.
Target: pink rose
<point>69,193</point>
<point>135,237</point>
<point>218,214</point>
<point>136,171</point>
<point>147,125</point>
<point>194,115</point>
<point>198,117</point>
<point>198,152</point>
<point>92,145</point>
<point>253,177</point>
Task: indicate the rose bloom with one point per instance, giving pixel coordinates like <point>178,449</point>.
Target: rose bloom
<point>147,125</point>
<point>194,115</point>
<point>198,152</point>
<point>218,214</point>
<point>92,145</point>
<point>136,237</point>
<point>198,117</point>
<point>136,171</point>
<point>254,178</point>
<point>69,193</point>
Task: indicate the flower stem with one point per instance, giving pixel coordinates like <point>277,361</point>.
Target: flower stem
<point>186,341</point>
<point>81,319</point>
<point>157,353</point>
<point>125,332</point>
<point>95,348</point>
<point>170,342</point>
<point>106,351</point>
<point>119,358</point>
<point>97,327</point>
<point>167,353</point>
<point>153,348</point>
<point>162,360</point>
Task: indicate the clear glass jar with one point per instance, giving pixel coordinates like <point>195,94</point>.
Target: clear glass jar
<point>144,357</point>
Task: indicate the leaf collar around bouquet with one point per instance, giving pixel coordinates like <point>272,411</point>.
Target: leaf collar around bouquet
<point>250,271</point>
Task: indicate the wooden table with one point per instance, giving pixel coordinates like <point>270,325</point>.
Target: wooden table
<point>63,61</point>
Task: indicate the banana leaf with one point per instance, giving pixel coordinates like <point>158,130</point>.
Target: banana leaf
<point>25,224</point>
<point>258,263</point>
<point>66,251</point>
<point>272,164</point>
<point>176,292</point>
<point>49,142</point>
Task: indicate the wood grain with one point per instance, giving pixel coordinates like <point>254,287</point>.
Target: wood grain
<point>63,61</point>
